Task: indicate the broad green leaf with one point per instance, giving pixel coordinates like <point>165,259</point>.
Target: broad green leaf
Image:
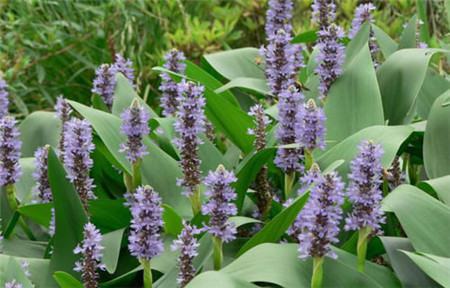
<point>387,45</point>
<point>248,169</point>
<point>436,267</point>
<point>279,264</point>
<point>218,279</point>
<point>354,101</point>
<point>275,228</point>
<point>436,151</point>
<point>158,169</point>
<point>39,213</point>
<point>70,217</point>
<point>236,63</point>
<point>406,271</point>
<point>111,243</point>
<point>173,223</point>
<point>65,280</point>
<point>433,86</point>
<point>440,186</point>
<point>400,78</point>
<point>305,37</point>
<point>358,42</point>
<point>421,216</point>
<point>39,270</point>
<point>26,183</point>
<point>241,220</point>
<point>23,248</point>
<point>408,37</point>
<point>13,271</point>
<point>247,83</point>
<point>38,129</point>
<point>390,137</point>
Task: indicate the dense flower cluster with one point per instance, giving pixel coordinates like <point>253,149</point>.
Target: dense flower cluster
<point>135,127</point>
<point>363,13</point>
<point>261,122</point>
<point>169,88</point>
<point>189,124</point>
<point>310,126</point>
<point>318,222</point>
<point>4,100</point>
<point>330,57</point>
<point>13,284</point>
<point>40,175</point>
<point>78,147</point>
<point>188,245</point>
<point>63,112</point>
<point>364,189</point>
<point>288,159</point>
<point>105,83</point>
<point>323,12</point>
<point>278,17</point>
<point>219,206</point>
<point>10,145</point>
<point>91,255</point>
<point>124,66</point>
<point>145,236</point>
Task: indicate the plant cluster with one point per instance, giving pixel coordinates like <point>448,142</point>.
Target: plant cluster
<point>316,160</point>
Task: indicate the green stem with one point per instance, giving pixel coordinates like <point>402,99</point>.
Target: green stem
<point>218,253</point>
<point>288,184</point>
<point>309,159</point>
<point>196,201</point>
<point>317,276</point>
<point>13,204</point>
<point>136,177</point>
<point>361,248</point>
<point>148,281</point>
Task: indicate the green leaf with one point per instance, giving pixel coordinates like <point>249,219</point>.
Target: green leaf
<point>433,86</point>
<point>275,228</point>
<point>439,186</point>
<point>408,37</point>
<point>26,183</point>
<point>279,264</point>
<point>38,129</point>
<point>255,85</point>
<point>13,271</point>
<point>421,216</point>
<point>112,243</point>
<point>39,270</point>
<point>305,37</point>
<point>436,152</point>
<point>248,169</point>
<point>66,280</point>
<point>236,63</point>
<point>39,213</point>
<point>70,217</point>
<point>158,169</point>
<point>436,267</point>
<point>23,248</point>
<point>173,223</point>
<point>354,101</point>
<point>400,78</point>
<point>387,45</point>
<point>241,220</point>
<point>390,137</point>
<point>406,271</point>
<point>218,279</point>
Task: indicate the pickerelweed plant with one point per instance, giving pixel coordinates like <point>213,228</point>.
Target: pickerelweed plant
<point>298,164</point>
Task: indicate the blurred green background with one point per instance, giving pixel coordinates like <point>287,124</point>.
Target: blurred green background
<point>48,48</point>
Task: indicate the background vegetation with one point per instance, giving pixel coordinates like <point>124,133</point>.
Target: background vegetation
<point>48,48</point>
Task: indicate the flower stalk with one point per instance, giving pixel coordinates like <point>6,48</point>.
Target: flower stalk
<point>317,276</point>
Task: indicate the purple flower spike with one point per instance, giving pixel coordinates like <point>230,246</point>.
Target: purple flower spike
<point>146,223</point>
<point>124,66</point>
<point>324,12</point>
<point>363,13</point>
<point>190,123</point>
<point>310,126</point>
<point>78,147</point>
<point>91,255</point>
<point>135,127</point>
<point>283,61</point>
<point>278,17</point>
<point>40,175</point>
<point>288,159</point>
<point>105,83</point>
<point>4,100</point>
<point>63,112</point>
<point>13,284</point>
<point>364,189</point>
<point>318,222</point>
<point>330,57</point>
<point>219,205</point>
<point>188,245</point>
<point>10,145</point>
<point>169,88</point>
